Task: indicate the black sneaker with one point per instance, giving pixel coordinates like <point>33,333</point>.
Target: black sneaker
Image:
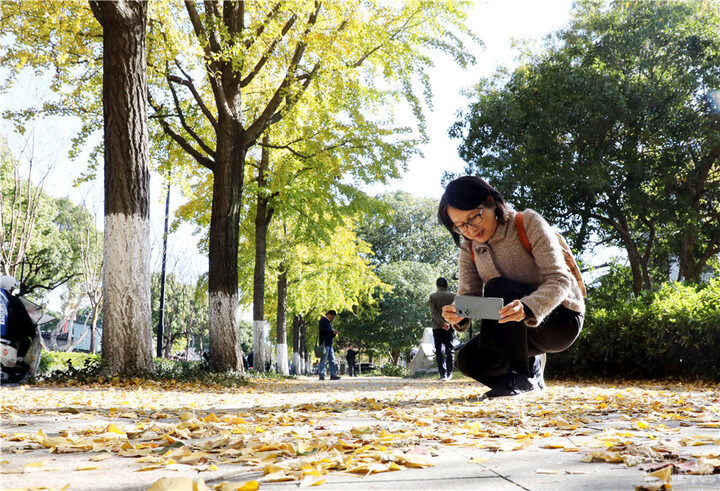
<point>514,384</point>
<point>334,377</point>
<point>322,377</point>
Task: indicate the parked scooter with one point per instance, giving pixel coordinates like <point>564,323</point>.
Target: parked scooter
<point>19,321</point>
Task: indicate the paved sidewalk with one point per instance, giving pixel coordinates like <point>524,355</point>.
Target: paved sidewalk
<point>573,437</point>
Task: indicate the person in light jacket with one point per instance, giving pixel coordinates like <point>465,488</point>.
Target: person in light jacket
<point>442,332</point>
<point>543,308</point>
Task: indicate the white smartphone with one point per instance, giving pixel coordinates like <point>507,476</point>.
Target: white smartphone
<point>478,307</point>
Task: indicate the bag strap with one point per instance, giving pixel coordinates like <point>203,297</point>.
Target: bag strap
<point>521,232</point>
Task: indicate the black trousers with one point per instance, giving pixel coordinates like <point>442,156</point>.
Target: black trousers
<point>351,366</point>
<point>502,347</point>
<point>444,350</point>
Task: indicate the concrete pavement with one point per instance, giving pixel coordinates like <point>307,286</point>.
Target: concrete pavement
<point>573,437</point>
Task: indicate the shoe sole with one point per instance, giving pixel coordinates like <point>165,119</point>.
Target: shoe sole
<point>525,395</point>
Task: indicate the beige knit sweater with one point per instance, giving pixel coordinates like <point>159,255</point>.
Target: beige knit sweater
<point>504,255</point>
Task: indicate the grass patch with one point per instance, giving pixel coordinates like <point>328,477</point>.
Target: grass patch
<point>83,368</point>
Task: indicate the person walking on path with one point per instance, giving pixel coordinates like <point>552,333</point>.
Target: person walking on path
<point>326,335</point>
<point>543,308</point>
<point>350,357</point>
<point>442,333</point>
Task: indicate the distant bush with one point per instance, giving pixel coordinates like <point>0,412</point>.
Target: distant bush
<point>674,332</point>
<point>73,368</point>
<point>391,371</point>
<point>60,361</point>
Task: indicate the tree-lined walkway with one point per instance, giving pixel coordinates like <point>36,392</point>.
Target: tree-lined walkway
<point>375,432</point>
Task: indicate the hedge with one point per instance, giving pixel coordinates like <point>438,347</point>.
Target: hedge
<point>674,332</point>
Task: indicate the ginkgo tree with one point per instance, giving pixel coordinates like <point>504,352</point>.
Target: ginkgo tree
<point>222,73</point>
<point>320,276</point>
<point>259,61</point>
<point>315,260</point>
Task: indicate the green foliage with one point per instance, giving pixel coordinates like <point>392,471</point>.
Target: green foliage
<point>409,231</point>
<point>60,367</point>
<point>80,368</point>
<point>396,322</point>
<point>42,236</point>
<point>51,361</point>
<point>672,332</point>
<point>392,371</point>
<point>614,104</point>
<point>185,312</point>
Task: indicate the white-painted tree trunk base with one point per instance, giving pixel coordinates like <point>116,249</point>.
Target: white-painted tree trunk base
<point>127,334</point>
<point>259,334</point>
<point>224,317</point>
<point>282,359</point>
<point>298,365</point>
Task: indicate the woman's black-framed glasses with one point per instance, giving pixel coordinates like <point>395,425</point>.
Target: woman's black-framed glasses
<point>474,221</point>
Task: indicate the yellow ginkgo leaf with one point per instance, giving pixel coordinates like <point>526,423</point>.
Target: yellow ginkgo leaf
<point>664,474</point>
<point>114,429</point>
<point>39,463</point>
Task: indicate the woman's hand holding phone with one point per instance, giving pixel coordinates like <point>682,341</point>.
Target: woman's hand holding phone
<point>450,314</point>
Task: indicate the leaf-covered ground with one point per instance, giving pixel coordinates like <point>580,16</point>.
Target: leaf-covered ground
<point>304,430</point>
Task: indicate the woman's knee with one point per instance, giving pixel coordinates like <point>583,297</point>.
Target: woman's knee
<point>506,288</point>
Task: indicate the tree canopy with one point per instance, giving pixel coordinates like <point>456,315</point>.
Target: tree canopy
<point>409,231</point>
<point>41,235</point>
<point>608,134</point>
<point>223,73</point>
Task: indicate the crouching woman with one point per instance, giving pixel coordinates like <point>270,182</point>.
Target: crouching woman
<point>543,308</point>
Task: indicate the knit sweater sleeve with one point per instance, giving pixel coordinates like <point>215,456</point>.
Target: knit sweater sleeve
<point>557,279</point>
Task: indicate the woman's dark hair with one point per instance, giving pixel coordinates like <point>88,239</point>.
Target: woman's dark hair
<point>468,193</point>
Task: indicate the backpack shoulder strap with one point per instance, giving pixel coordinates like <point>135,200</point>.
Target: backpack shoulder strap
<point>521,232</point>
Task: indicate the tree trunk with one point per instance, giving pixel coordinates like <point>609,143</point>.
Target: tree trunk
<point>282,352</point>
<point>168,343</point>
<point>395,357</point>
<point>262,222</point>
<point>224,309</point>
<point>95,315</point>
<point>127,334</point>
<point>694,195</point>
<point>297,360</point>
<point>303,345</point>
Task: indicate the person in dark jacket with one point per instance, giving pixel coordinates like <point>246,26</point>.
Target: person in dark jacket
<point>350,355</point>
<point>543,308</point>
<point>442,332</point>
<point>326,337</point>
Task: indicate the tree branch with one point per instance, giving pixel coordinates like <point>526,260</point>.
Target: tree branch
<point>213,67</point>
<point>191,86</point>
<point>184,144</point>
<point>261,28</point>
<point>264,120</point>
<point>181,116</point>
<point>268,52</point>
<point>394,35</point>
